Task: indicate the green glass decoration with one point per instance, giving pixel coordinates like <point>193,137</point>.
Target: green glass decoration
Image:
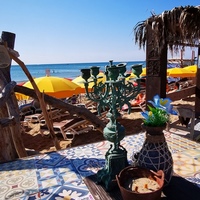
<point>112,94</point>
<point>137,69</point>
<point>85,74</point>
<point>94,71</point>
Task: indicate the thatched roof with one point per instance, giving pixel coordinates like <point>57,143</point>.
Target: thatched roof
<point>177,27</point>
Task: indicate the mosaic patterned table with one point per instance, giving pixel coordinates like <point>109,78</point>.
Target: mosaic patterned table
<point>60,174</point>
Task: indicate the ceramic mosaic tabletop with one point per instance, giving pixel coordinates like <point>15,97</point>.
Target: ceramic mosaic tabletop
<point>59,175</point>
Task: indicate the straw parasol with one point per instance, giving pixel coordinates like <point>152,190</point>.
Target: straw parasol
<point>177,28</point>
<point>171,30</point>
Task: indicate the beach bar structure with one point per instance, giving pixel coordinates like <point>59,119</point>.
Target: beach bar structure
<point>11,144</point>
<point>172,30</point>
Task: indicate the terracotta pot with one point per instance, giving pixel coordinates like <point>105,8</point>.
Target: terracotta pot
<point>129,173</point>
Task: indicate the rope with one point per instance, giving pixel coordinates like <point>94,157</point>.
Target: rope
<point>155,138</point>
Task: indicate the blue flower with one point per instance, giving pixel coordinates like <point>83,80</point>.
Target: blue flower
<point>158,115</point>
<point>163,103</point>
<point>145,115</point>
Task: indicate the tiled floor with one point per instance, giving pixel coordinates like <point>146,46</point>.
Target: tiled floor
<point>59,174</point>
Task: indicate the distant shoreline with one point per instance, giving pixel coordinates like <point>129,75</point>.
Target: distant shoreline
<point>74,63</point>
<point>64,70</point>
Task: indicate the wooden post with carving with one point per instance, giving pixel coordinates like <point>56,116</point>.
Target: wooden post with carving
<point>156,68</point>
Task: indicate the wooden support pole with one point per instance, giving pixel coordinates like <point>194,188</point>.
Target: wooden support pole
<point>11,142</point>
<point>9,38</point>
<point>40,98</point>
<point>197,98</point>
<point>156,65</point>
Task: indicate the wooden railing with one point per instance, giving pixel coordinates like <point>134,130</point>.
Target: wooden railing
<point>181,94</point>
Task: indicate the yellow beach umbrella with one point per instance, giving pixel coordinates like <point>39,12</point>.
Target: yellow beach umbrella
<point>80,81</point>
<point>180,72</point>
<point>192,68</point>
<point>134,76</point>
<point>20,96</point>
<point>55,86</point>
<point>143,72</point>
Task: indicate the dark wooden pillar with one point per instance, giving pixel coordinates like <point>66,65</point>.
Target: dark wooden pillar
<point>7,147</point>
<point>12,146</point>
<point>197,99</point>
<point>156,65</point>
<point>9,38</point>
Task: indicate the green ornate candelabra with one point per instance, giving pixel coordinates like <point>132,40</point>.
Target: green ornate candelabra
<point>112,94</point>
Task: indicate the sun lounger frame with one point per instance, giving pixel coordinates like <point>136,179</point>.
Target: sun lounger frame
<point>68,131</point>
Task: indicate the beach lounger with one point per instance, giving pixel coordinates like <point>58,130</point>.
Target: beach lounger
<point>39,117</point>
<point>69,128</point>
<point>185,116</point>
<point>91,105</point>
<point>77,128</point>
<point>34,118</point>
<point>141,106</point>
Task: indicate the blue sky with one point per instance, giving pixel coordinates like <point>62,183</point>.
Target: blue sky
<point>68,31</point>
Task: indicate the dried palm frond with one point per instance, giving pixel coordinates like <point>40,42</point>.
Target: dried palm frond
<point>190,24</point>
<point>176,27</point>
<point>140,33</point>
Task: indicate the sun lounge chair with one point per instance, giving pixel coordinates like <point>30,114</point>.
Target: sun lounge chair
<point>33,118</point>
<point>142,106</point>
<point>90,105</point>
<point>76,129</point>
<point>24,125</point>
<point>185,115</point>
<point>39,118</point>
<point>69,128</point>
<point>137,102</point>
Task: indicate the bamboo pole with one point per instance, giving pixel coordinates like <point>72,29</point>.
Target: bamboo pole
<point>40,98</point>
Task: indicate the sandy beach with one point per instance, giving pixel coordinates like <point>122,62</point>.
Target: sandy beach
<point>35,143</point>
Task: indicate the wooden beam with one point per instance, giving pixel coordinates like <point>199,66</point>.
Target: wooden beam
<point>57,103</point>
<point>181,94</point>
<point>197,99</point>
<point>185,44</point>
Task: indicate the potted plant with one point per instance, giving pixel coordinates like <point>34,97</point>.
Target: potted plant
<point>156,119</point>
<point>155,154</point>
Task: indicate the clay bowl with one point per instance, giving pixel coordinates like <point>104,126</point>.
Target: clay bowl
<point>128,174</point>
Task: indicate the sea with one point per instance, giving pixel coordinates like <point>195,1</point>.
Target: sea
<point>65,70</point>
<point>68,70</point>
